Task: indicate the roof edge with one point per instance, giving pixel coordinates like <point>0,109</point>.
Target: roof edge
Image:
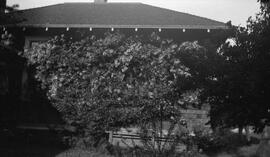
<point>118,26</point>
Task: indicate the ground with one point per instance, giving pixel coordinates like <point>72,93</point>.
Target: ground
<point>47,144</point>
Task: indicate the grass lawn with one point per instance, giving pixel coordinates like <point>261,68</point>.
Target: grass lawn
<point>30,144</point>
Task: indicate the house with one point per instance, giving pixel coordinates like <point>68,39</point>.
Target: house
<point>39,24</point>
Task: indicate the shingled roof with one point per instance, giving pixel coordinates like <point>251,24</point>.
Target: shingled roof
<point>117,15</point>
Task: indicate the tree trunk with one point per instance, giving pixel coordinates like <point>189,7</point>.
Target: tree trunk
<point>240,130</point>
<point>247,133</point>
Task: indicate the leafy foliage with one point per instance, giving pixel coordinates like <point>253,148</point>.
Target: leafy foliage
<point>7,39</point>
<point>4,16</point>
<point>235,79</point>
<point>112,82</point>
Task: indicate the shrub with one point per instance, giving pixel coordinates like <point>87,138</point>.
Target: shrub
<point>113,82</point>
<point>221,140</point>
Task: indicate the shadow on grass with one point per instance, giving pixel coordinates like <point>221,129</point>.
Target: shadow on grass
<point>49,144</point>
<point>30,144</point>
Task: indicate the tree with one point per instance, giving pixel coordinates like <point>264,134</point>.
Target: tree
<point>10,64</point>
<point>7,39</point>
<point>264,1</point>
<point>235,80</point>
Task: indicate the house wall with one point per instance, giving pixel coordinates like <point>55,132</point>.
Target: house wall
<point>195,117</point>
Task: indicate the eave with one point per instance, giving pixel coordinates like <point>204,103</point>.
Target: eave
<point>116,26</point>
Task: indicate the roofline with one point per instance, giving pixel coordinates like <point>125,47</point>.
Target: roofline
<point>117,26</point>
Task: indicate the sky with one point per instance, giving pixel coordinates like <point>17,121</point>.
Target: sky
<point>236,11</point>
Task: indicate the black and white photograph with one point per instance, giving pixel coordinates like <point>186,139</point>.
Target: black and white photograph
<point>134,78</point>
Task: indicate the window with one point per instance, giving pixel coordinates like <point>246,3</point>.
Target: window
<point>30,40</point>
